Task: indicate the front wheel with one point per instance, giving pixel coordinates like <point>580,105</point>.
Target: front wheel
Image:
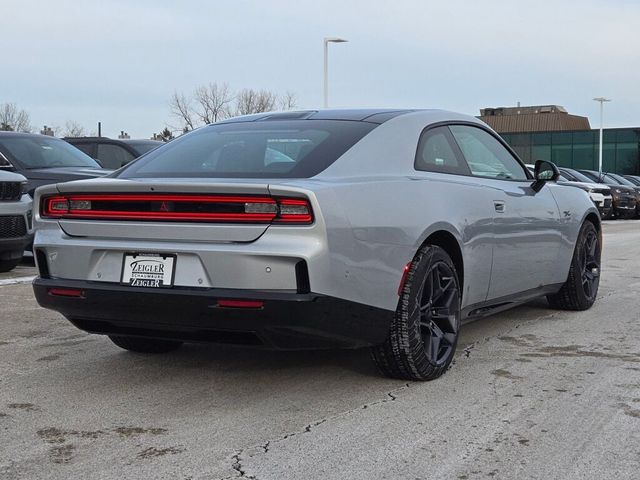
<point>424,333</point>
<point>581,288</point>
<point>145,345</point>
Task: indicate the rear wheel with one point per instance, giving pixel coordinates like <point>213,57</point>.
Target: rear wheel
<point>145,345</point>
<point>581,288</point>
<point>424,333</point>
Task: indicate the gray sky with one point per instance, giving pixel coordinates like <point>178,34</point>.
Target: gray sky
<point>119,61</point>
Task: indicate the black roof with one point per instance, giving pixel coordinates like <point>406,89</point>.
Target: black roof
<point>371,115</point>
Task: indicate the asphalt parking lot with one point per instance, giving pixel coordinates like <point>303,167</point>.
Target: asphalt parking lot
<point>533,393</point>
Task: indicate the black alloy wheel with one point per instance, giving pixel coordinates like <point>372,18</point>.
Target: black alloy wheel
<point>580,290</point>
<point>439,309</point>
<point>424,333</point>
<point>590,261</point>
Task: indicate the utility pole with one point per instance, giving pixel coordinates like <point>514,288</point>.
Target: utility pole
<point>601,100</point>
<point>327,41</point>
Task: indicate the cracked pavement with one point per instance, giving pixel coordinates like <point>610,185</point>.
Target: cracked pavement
<point>533,393</point>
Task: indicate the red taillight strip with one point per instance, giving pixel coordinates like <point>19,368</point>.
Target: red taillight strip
<point>237,217</point>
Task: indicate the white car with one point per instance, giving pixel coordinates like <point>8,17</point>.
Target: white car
<point>16,230</point>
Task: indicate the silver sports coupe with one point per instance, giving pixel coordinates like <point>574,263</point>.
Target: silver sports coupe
<point>317,229</point>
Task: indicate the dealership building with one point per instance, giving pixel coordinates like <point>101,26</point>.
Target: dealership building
<point>549,132</point>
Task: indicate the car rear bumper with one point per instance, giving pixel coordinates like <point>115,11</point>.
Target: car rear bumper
<point>286,320</point>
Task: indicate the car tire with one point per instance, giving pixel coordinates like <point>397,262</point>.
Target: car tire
<point>145,345</point>
<point>423,338</point>
<point>8,265</point>
<point>580,290</point>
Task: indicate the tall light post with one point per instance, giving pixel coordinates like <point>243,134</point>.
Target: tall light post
<point>601,100</point>
<point>327,41</point>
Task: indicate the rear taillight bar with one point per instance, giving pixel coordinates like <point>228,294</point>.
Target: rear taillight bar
<point>186,208</point>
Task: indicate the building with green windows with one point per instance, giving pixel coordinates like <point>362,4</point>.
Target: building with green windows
<point>549,133</point>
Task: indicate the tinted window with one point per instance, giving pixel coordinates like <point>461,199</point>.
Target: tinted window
<point>634,180</point>
<point>40,151</point>
<point>144,147</point>
<point>486,156</point>
<point>579,177</point>
<point>113,156</point>
<point>436,154</point>
<point>622,180</point>
<point>604,179</point>
<point>87,148</point>
<point>267,149</point>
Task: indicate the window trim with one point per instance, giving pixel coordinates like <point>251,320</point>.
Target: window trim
<point>455,148</point>
<point>448,123</point>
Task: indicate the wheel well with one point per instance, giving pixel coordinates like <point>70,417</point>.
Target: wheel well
<point>595,219</point>
<point>449,244</point>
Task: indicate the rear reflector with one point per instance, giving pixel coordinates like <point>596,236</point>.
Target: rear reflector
<point>65,292</point>
<point>240,303</point>
<point>403,279</point>
<point>185,208</point>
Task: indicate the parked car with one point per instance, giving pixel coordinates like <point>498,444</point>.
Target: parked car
<point>378,228</point>
<point>44,160</point>
<point>600,194</point>
<point>112,153</point>
<point>628,205</point>
<point>16,230</point>
<point>623,200</point>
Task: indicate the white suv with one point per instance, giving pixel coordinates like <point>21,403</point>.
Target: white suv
<point>16,229</point>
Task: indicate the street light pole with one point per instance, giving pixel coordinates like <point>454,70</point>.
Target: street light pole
<point>601,100</point>
<point>327,41</point>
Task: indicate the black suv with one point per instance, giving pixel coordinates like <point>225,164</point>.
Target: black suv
<point>113,154</point>
<point>45,160</point>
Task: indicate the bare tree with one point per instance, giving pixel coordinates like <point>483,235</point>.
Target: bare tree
<point>255,101</point>
<point>13,119</point>
<point>181,109</point>
<point>73,129</point>
<point>288,101</point>
<point>214,102</point>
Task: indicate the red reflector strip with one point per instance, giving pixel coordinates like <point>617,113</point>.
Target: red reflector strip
<point>65,292</point>
<point>240,303</point>
<point>403,279</point>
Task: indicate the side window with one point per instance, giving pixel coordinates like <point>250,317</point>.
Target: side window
<point>436,153</point>
<point>486,156</point>
<point>113,156</point>
<point>88,148</point>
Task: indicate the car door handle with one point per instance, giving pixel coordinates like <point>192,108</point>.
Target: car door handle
<point>499,206</point>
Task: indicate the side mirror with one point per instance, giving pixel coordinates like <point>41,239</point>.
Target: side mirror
<point>544,172</point>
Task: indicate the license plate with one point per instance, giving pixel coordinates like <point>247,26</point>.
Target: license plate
<point>153,270</point>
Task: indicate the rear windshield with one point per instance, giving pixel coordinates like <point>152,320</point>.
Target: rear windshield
<point>267,149</point>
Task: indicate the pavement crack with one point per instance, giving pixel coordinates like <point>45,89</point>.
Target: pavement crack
<point>237,465</point>
<point>261,449</point>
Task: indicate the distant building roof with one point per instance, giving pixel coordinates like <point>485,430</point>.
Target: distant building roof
<point>536,118</point>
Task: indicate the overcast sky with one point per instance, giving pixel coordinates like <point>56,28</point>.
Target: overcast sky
<point>119,61</point>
